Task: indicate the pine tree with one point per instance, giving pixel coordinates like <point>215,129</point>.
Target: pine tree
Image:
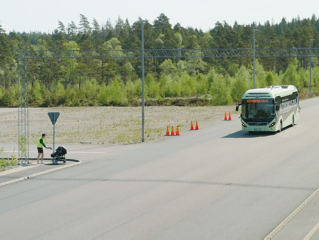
<point>61,27</point>
<point>84,25</point>
<point>2,30</point>
<point>72,30</point>
<point>96,26</point>
<point>119,26</point>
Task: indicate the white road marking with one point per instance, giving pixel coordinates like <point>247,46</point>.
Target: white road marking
<point>87,152</point>
<point>68,152</point>
<point>291,216</point>
<point>312,232</point>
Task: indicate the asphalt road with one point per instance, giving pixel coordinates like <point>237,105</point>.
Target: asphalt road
<point>215,183</point>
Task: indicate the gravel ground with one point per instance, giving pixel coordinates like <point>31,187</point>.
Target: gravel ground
<point>109,125</point>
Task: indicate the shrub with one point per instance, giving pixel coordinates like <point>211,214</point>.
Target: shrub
<point>220,92</point>
<point>241,84</point>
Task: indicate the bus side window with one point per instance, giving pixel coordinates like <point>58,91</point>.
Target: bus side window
<point>278,101</point>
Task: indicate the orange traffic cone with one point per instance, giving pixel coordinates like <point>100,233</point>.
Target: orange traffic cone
<point>229,118</point>
<point>172,131</point>
<point>196,128</point>
<point>167,131</point>
<point>225,118</point>
<point>177,130</point>
<point>192,125</point>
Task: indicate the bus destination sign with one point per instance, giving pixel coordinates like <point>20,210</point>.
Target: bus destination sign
<point>257,100</point>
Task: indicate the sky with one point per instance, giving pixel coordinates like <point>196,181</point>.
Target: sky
<point>43,15</point>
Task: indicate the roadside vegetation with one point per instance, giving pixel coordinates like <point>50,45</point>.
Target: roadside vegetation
<point>182,82</point>
<point>176,88</point>
<point>7,163</point>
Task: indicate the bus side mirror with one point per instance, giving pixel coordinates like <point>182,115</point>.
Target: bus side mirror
<point>237,107</point>
<point>277,107</point>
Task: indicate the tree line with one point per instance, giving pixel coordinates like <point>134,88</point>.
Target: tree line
<point>85,81</point>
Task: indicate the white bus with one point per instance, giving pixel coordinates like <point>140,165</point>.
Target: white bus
<point>269,109</point>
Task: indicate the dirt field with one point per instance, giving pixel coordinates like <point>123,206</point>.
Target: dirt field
<point>109,125</point>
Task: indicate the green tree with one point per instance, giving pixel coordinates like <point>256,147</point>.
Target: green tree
<point>84,24</point>
<point>188,86</point>
<point>220,92</point>
<point>36,94</point>
<point>61,27</point>
<point>96,26</point>
<point>9,98</point>
<point>117,94</point>
<point>167,67</point>
<point>201,84</point>
<point>260,75</point>
<point>291,76</point>
<point>315,76</point>
<point>119,26</point>
<point>152,88</point>
<point>270,79</point>
<point>72,30</point>
<point>179,38</point>
<point>112,44</point>
<point>165,86</point>
<point>2,30</point>
<point>241,84</point>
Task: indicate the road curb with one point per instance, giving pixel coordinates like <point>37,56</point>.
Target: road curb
<point>291,216</point>
<point>76,162</point>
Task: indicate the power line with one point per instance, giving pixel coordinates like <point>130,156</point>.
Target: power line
<point>172,53</point>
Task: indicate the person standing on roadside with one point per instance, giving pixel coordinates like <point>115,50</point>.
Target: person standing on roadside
<point>40,146</point>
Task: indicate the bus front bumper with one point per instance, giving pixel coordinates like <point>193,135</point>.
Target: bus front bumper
<point>268,128</point>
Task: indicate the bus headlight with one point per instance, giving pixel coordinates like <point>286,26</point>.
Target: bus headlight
<point>273,124</point>
<point>243,124</point>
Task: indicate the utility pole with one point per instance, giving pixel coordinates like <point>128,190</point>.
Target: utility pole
<point>254,50</point>
<point>143,102</point>
<point>310,71</point>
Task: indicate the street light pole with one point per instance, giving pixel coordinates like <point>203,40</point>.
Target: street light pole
<point>143,102</point>
<point>310,71</point>
<point>254,51</point>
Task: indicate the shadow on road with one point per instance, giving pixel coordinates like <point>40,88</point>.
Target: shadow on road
<point>241,134</point>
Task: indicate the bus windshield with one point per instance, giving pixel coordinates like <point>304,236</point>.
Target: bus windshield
<point>258,108</point>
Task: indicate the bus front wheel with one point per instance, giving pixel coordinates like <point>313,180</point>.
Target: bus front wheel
<point>280,128</point>
<point>293,121</point>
